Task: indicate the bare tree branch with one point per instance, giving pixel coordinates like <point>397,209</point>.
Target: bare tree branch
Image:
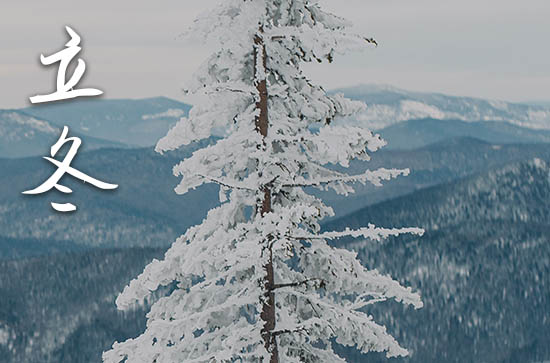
<point>224,183</point>
<point>295,284</point>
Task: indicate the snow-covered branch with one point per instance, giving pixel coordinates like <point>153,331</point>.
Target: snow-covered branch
<point>371,232</point>
<point>375,177</point>
<point>319,283</point>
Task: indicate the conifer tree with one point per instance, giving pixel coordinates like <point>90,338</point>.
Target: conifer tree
<point>258,281</point>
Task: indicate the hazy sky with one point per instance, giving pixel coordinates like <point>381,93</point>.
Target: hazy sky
<point>485,48</point>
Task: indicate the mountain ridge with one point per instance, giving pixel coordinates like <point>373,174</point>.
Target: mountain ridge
<point>482,267</point>
<point>145,211</point>
<point>142,122</point>
<point>23,135</point>
<point>387,105</point>
<point>139,122</point>
<point>485,290</point>
<point>416,133</point>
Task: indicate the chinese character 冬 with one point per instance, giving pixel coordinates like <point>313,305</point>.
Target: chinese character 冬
<point>65,88</point>
<point>65,167</point>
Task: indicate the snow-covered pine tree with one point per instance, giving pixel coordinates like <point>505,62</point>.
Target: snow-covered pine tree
<point>257,281</point>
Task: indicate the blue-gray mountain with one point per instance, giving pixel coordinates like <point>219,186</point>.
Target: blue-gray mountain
<point>20,248</point>
<point>434,164</point>
<point>23,135</point>
<point>483,267</point>
<point>413,134</point>
<point>539,103</point>
<point>388,105</point>
<point>145,211</point>
<point>61,308</point>
<point>143,122</point>
<point>138,123</point>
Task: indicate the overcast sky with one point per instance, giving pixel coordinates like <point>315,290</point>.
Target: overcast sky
<point>495,49</point>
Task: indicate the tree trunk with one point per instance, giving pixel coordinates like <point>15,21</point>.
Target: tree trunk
<point>262,124</point>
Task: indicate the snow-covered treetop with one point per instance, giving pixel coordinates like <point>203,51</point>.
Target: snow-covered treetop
<point>225,95</point>
<point>219,266</point>
<point>224,87</point>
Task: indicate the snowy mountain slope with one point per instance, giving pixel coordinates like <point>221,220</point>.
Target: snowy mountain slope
<point>24,135</point>
<point>388,105</point>
<point>430,165</point>
<point>141,211</point>
<point>539,103</point>
<point>484,275</point>
<point>483,266</point>
<point>414,134</point>
<point>143,122</point>
<point>61,308</point>
<point>521,190</point>
<point>133,122</point>
<point>15,248</point>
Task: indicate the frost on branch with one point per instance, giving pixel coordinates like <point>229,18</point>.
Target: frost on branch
<point>322,294</point>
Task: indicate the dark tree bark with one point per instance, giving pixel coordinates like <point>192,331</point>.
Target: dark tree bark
<point>262,125</point>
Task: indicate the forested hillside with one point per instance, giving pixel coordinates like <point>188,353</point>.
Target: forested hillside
<point>483,267</point>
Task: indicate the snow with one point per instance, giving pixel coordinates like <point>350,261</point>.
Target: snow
<point>12,125</point>
<point>420,110</point>
<point>170,113</point>
<point>4,337</point>
<point>539,163</point>
<point>393,105</point>
<point>32,123</point>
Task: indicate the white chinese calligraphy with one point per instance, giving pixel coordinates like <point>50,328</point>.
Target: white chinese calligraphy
<point>64,167</point>
<point>65,88</point>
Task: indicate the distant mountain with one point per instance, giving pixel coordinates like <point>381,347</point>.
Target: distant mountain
<point>539,103</point>
<point>14,248</point>
<point>145,211</point>
<point>388,105</point>
<point>133,122</point>
<point>23,135</point>
<point>483,267</point>
<point>60,309</point>
<point>431,165</point>
<point>418,133</point>
<point>143,122</point>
